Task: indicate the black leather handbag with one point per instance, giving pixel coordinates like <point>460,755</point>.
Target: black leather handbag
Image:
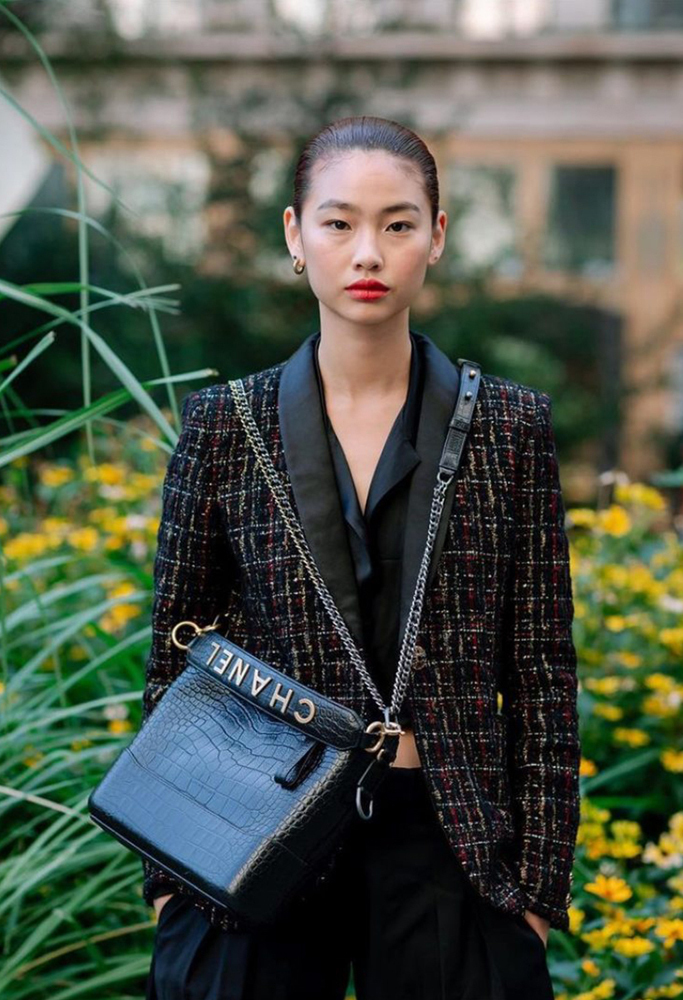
<point>243,782</point>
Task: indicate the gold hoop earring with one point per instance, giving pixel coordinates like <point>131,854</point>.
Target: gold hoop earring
<point>299,265</point>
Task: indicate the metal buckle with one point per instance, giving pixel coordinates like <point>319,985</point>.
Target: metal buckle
<point>197,630</point>
<point>385,729</point>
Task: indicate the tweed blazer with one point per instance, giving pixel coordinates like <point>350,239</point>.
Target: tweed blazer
<point>493,687</point>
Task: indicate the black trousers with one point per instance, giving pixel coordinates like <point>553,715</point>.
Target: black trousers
<point>398,910</point>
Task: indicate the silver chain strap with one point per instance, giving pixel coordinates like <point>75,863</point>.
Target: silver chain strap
<point>410,635</point>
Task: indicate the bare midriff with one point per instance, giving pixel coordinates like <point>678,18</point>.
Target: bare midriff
<point>407,755</point>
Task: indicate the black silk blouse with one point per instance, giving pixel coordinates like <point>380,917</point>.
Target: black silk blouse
<point>376,535</point>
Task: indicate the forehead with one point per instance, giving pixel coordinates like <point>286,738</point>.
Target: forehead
<point>370,174</point>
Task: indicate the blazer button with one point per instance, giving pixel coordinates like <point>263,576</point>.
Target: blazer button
<point>420,659</point>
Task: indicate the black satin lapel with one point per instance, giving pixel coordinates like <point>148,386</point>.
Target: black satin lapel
<point>309,464</point>
<point>440,392</point>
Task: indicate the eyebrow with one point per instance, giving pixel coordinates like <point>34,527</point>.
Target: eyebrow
<point>400,206</point>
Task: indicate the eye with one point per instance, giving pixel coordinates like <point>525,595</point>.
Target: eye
<point>333,222</point>
<point>401,224</point>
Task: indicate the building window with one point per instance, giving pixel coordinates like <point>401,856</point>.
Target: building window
<point>481,230</point>
<point>581,220</point>
<point>648,14</point>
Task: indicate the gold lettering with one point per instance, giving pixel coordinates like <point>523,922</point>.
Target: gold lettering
<point>212,656</point>
<point>221,665</point>
<point>240,667</point>
<point>301,718</point>
<point>258,683</point>
<point>278,697</point>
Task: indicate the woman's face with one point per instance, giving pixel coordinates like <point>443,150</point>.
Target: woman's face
<point>366,215</point>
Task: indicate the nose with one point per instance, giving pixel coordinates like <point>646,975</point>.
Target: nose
<point>366,255</point>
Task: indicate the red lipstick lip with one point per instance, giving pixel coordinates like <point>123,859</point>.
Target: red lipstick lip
<point>369,286</point>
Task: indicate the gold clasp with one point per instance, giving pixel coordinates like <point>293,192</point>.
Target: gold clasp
<point>385,729</point>
<point>197,630</point>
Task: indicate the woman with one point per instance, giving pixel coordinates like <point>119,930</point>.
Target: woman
<point>450,889</point>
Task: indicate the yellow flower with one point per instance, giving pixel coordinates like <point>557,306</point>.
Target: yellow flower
<point>610,684</point>
<point>25,546</point>
<point>85,539</point>
<point>612,888</point>
<point>106,473</point>
<point>103,514</point>
<point>632,737</point>
<point>641,581</point>
<point>121,589</point>
<point>581,516</point>
<point>662,705</point>
<point>615,623</point>
<point>668,853</point>
<point>119,726</point>
<point>672,760</point>
<point>615,520</point>
<point>660,682</point>
<point>55,475</point>
<point>614,575</point>
<point>622,848</point>
<point>672,638</point>
<point>590,967</point>
<point>597,814</point>
<point>117,616</point>
<point>602,991</point>
<point>55,525</point>
<point>630,660</point>
<point>626,829</point>
<point>640,494</point>
<point>611,712</point>
<point>670,930</point>
<point>631,946</point>
<point>576,918</point>
<point>589,831</point>
<point>587,768</point>
<point>113,543</point>
<point>597,939</point>
<point>597,848</point>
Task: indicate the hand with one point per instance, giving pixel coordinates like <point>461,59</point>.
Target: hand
<point>160,902</point>
<point>539,924</point>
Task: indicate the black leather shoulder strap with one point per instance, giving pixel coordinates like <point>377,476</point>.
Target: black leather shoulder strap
<point>470,378</point>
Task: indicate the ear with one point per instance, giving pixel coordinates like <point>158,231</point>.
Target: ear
<point>438,241</point>
<point>292,232</point>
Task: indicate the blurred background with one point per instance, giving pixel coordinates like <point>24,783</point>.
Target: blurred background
<point>147,150</point>
<point>557,126</point>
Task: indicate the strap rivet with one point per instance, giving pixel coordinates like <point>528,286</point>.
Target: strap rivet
<point>468,395</point>
<point>472,373</point>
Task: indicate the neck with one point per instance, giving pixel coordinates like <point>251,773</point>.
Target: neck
<point>357,365</point>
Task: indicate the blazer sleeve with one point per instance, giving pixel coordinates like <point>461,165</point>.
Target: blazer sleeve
<point>193,569</point>
<point>540,680</point>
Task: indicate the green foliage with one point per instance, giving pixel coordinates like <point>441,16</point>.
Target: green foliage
<point>77,539</point>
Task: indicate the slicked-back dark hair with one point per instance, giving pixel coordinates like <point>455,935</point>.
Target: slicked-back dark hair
<point>366,132</point>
